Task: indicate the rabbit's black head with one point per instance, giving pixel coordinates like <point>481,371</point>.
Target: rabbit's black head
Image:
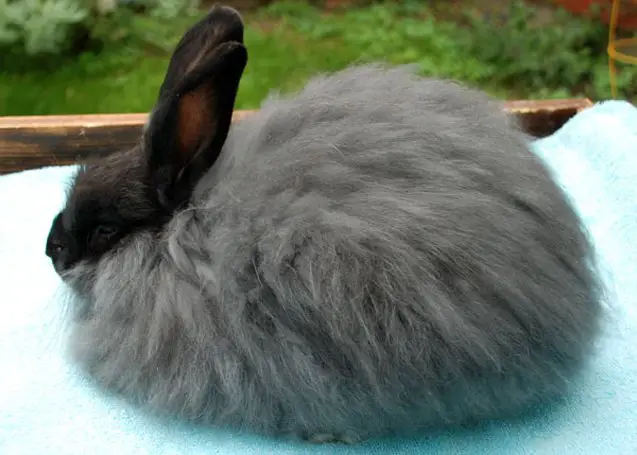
<point>140,189</point>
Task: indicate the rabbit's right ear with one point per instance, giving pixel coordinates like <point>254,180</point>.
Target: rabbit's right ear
<point>192,117</point>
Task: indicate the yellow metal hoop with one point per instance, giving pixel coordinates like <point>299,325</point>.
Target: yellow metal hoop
<point>614,54</point>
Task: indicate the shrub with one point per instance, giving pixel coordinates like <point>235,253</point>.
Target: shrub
<point>563,53</point>
<point>36,27</point>
<point>397,32</point>
<point>520,53</point>
<point>39,26</point>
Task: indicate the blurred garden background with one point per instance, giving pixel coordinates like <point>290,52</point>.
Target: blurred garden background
<point>109,56</point>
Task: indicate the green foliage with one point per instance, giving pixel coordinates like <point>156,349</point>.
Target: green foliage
<point>397,33</point>
<point>170,9</point>
<point>519,53</point>
<point>49,27</point>
<point>566,54</point>
<point>39,26</point>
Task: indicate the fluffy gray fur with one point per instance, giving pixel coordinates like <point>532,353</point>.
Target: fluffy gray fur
<point>379,254</point>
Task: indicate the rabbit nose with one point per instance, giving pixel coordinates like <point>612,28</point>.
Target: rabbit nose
<point>53,244</point>
<point>54,251</point>
<point>57,248</point>
<point>53,247</point>
<point>59,255</point>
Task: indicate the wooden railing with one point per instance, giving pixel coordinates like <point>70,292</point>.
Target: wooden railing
<point>33,142</point>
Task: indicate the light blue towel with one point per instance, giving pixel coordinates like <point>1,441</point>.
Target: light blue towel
<point>46,408</point>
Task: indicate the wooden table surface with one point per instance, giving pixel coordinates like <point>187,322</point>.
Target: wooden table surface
<point>37,141</point>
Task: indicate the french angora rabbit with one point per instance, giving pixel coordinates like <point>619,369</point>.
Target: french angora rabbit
<point>381,254</point>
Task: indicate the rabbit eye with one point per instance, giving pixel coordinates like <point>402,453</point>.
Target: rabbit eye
<point>102,237</point>
<point>105,231</point>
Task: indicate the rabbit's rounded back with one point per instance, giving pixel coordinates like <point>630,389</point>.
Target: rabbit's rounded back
<point>400,256</point>
<point>378,254</point>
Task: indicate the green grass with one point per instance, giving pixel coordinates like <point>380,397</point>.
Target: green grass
<point>287,44</point>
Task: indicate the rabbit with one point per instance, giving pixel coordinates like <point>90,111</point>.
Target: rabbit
<point>378,254</point>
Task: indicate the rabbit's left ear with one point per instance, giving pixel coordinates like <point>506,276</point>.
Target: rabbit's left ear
<point>192,117</point>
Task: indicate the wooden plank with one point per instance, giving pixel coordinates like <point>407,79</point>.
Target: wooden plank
<point>545,117</point>
<point>37,141</point>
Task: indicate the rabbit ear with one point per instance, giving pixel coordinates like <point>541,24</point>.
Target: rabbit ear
<point>192,117</point>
